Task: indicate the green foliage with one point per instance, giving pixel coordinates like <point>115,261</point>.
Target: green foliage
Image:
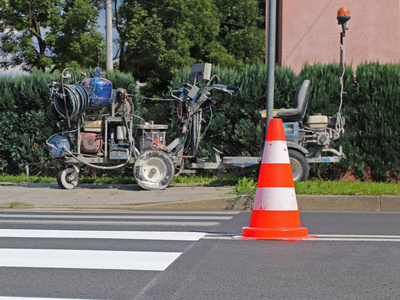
<point>26,119</point>
<point>50,34</point>
<point>325,88</point>
<point>245,190</point>
<point>317,187</point>
<point>73,39</point>
<point>242,29</point>
<point>370,105</point>
<point>159,38</point>
<point>375,122</point>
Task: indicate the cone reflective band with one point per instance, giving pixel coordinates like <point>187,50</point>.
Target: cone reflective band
<point>275,213</point>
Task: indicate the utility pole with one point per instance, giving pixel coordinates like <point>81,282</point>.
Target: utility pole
<point>109,41</point>
<point>271,60</point>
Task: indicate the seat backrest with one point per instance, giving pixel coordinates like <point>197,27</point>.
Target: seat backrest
<point>300,102</point>
<point>301,98</point>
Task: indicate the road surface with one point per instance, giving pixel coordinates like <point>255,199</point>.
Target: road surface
<point>195,255</point>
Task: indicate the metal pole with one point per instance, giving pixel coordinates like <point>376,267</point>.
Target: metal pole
<point>109,42</point>
<point>271,60</point>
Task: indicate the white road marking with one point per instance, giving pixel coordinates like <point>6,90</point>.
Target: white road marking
<point>129,217</point>
<point>218,237</point>
<point>87,259</point>
<point>359,236</point>
<point>356,238</point>
<point>106,222</point>
<point>86,234</point>
<point>38,298</point>
<point>321,237</point>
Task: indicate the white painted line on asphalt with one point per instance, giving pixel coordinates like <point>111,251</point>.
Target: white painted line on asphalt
<point>218,237</point>
<point>130,217</point>
<point>193,212</point>
<point>321,237</point>
<point>356,238</point>
<point>87,259</point>
<point>38,298</point>
<point>86,234</point>
<point>105,222</point>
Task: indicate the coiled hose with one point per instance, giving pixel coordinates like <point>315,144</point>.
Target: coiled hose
<point>75,101</point>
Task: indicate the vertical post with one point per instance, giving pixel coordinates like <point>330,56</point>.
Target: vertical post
<point>27,171</point>
<point>343,15</point>
<point>342,35</point>
<point>109,42</point>
<point>271,60</point>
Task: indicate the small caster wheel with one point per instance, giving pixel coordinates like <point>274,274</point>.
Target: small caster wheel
<point>67,179</point>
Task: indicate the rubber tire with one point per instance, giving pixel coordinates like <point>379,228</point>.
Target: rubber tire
<point>154,170</point>
<point>299,164</point>
<point>67,179</point>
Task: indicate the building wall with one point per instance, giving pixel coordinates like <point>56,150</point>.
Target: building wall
<point>310,32</point>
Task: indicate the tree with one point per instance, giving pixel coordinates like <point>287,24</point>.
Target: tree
<point>158,37</point>
<point>242,29</point>
<point>73,38</point>
<point>48,33</point>
<point>22,39</point>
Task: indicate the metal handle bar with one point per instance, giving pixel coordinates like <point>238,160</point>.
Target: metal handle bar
<point>225,88</point>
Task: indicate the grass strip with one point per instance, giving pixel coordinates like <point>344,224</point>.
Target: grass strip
<point>242,185</point>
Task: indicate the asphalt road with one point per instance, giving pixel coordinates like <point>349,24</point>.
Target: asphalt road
<point>194,255</point>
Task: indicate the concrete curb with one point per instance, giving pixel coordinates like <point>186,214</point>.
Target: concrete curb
<point>181,197</point>
<point>306,203</point>
<point>378,203</point>
<point>217,204</point>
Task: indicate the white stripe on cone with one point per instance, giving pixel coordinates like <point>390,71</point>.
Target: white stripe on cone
<point>275,152</point>
<point>275,198</point>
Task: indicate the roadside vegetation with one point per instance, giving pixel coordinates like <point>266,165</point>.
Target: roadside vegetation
<point>243,186</point>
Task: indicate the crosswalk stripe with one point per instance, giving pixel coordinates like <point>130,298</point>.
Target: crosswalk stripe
<point>86,234</point>
<point>37,298</point>
<point>130,217</point>
<point>105,222</point>
<point>87,259</point>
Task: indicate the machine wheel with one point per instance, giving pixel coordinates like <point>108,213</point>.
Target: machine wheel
<point>67,179</point>
<point>299,164</point>
<point>154,170</point>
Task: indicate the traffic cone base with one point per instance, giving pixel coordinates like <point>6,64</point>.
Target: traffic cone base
<point>284,234</point>
<point>275,225</point>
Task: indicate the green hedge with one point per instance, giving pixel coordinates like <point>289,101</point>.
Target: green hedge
<point>370,105</point>
<point>374,121</point>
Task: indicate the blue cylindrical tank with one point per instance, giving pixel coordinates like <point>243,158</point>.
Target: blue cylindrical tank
<point>58,142</point>
<point>99,89</point>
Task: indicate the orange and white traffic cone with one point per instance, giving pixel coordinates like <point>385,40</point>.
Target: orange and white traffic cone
<point>275,214</point>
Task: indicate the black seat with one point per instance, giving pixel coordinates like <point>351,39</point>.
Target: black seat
<point>300,102</point>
